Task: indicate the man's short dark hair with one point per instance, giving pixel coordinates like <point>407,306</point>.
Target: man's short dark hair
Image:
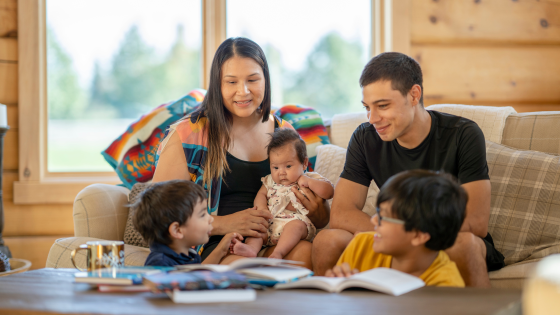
<point>282,136</point>
<point>427,201</point>
<point>162,204</point>
<point>403,72</point>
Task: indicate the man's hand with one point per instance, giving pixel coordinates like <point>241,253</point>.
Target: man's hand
<point>318,207</point>
<point>343,270</point>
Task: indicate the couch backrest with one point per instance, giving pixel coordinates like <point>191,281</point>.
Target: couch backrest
<point>538,131</point>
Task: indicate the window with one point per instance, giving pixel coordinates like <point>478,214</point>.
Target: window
<point>46,117</point>
<point>108,72</point>
<point>316,49</point>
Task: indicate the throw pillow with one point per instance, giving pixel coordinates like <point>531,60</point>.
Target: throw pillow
<point>132,154</point>
<point>131,235</point>
<point>309,124</point>
<point>525,207</point>
<point>330,163</point>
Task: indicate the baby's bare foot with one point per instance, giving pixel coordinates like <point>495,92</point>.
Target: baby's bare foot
<point>244,250</point>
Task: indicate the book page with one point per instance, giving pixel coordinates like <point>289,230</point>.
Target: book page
<point>385,280</point>
<point>323,283</point>
<point>260,261</point>
<point>276,273</point>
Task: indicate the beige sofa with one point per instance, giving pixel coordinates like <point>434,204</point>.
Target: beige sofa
<point>100,212</point>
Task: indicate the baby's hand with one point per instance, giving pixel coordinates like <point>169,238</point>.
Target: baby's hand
<point>303,181</point>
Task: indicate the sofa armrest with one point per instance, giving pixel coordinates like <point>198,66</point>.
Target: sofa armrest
<point>100,211</point>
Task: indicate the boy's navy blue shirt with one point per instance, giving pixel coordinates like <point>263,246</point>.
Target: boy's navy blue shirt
<point>163,255</point>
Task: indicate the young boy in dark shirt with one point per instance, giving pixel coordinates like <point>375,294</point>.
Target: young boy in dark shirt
<point>172,218</point>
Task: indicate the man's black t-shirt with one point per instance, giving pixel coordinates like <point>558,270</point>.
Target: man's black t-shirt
<point>454,145</point>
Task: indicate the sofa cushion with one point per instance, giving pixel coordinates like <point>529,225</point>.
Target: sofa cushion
<point>525,205</point>
<point>490,119</point>
<point>533,131</point>
<point>59,255</point>
<point>512,276</point>
<point>330,162</point>
<point>131,235</point>
<point>100,211</point>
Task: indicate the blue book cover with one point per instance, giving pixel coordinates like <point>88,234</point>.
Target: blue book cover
<point>121,276</point>
<point>195,280</point>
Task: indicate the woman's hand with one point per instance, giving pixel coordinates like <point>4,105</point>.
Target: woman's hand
<point>341,271</point>
<point>319,210</point>
<point>248,223</point>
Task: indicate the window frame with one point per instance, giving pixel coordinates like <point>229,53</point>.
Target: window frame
<point>36,185</point>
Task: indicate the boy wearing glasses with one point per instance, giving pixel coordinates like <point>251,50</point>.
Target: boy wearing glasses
<point>419,214</point>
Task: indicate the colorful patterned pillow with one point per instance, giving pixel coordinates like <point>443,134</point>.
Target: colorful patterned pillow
<point>309,124</point>
<point>132,154</point>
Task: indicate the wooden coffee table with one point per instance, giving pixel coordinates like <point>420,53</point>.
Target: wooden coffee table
<point>52,291</point>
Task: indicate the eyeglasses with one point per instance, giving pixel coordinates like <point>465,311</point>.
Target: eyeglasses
<point>396,221</point>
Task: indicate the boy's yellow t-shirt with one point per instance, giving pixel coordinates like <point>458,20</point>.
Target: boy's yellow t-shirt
<point>360,255</point>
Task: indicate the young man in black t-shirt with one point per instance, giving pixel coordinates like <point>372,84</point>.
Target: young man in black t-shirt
<point>402,135</point>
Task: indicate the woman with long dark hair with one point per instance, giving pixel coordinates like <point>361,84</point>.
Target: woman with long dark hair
<point>222,147</point>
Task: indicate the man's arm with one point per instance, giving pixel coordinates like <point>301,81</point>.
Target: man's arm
<point>348,202</point>
<point>478,207</point>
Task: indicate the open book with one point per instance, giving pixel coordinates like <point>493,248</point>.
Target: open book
<point>240,264</point>
<point>384,280</point>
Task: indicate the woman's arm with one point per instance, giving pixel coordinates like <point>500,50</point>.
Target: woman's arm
<point>172,163</point>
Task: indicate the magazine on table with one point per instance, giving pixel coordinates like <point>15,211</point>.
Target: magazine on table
<point>201,286</point>
<point>384,280</point>
<point>118,276</point>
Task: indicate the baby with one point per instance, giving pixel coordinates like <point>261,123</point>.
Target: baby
<point>288,161</point>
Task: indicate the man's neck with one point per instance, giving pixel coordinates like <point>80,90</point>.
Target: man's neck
<point>418,130</point>
<point>415,262</point>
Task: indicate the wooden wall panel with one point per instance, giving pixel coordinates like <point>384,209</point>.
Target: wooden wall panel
<point>473,73</point>
<point>8,18</point>
<point>35,249</point>
<point>8,179</point>
<point>525,22</point>
<point>12,116</point>
<point>11,153</point>
<point>8,49</point>
<point>37,219</point>
<point>8,83</point>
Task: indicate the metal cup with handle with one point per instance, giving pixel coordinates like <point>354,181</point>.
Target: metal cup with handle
<point>101,254</point>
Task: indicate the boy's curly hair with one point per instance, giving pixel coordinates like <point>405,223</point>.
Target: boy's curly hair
<point>162,204</point>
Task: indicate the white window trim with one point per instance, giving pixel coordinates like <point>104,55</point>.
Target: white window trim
<point>38,186</point>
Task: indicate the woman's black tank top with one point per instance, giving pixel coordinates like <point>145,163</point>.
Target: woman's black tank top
<point>240,186</point>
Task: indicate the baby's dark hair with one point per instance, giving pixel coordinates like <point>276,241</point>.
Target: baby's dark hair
<point>427,201</point>
<point>162,204</point>
<point>282,136</point>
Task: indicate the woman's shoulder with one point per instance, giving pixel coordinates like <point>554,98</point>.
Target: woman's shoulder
<point>191,127</point>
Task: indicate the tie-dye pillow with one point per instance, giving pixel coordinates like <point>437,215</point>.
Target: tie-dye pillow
<point>132,154</point>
